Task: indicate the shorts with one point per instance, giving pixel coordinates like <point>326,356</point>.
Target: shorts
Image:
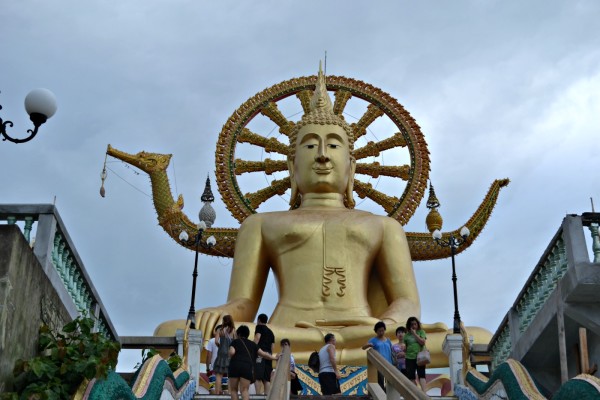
<point>263,370</point>
<point>329,383</point>
<point>412,368</point>
<point>241,370</point>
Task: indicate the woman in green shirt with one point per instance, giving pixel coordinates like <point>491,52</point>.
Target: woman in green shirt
<point>415,341</point>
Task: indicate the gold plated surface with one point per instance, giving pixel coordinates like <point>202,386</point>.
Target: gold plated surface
<point>337,268</point>
<point>409,136</point>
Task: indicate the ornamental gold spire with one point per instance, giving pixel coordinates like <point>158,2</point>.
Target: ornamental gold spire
<point>320,112</point>
<point>434,218</point>
<point>207,213</point>
<point>321,102</point>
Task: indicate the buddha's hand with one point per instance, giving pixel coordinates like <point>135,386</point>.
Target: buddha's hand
<point>350,321</point>
<point>208,318</point>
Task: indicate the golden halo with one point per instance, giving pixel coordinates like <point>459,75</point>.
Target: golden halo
<point>236,131</point>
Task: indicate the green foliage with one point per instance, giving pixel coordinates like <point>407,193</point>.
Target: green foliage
<point>66,359</point>
<point>174,359</point>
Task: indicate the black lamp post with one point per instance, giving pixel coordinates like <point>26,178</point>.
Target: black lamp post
<point>40,105</point>
<point>207,218</point>
<point>453,243</point>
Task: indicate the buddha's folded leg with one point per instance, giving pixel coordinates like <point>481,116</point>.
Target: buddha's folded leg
<point>349,340</point>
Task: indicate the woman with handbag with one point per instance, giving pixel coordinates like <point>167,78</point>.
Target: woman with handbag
<point>223,338</point>
<point>415,339</point>
<point>243,353</point>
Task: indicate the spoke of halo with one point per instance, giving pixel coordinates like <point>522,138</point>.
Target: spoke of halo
<point>272,112</point>
<point>375,169</point>
<point>267,166</point>
<point>277,187</point>
<point>372,149</point>
<point>271,145</point>
<point>360,128</point>
<point>366,190</point>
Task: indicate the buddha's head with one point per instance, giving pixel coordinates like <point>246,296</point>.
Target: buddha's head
<point>321,145</point>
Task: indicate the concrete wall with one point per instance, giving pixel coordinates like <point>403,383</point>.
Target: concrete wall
<point>27,300</point>
<point>549,346</point>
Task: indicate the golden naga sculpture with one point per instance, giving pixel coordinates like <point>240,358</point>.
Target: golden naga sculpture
<point>337,268</point>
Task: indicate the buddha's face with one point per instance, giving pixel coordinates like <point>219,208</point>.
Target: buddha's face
<point>322,163</point>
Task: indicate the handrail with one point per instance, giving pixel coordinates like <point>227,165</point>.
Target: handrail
<point>60,260</point>
<point>403,385</point>
<point>566,249</point>
<point>280,387</point>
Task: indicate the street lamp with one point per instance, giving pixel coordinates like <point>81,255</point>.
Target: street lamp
<point>207,217</point>
<point>454,243</point>
<point>40,105</point>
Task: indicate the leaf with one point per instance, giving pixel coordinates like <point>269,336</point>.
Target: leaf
<point>71,326</point>
<point>66,359</point>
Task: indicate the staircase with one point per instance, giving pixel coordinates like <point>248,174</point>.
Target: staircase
<point>293,397</point>
<point>300,397</point>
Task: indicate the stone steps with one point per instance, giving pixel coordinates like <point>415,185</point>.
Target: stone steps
<point>302,397</point>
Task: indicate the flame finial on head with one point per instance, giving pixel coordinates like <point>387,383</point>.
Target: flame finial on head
<point>320,113</point>
<point>321,102</point>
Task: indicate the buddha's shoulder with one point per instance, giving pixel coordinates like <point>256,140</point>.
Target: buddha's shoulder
<point>384,219</point>
<point>263,217</point>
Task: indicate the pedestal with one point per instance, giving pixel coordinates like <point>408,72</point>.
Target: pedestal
<point>452,347</point>
<point>194,351</point>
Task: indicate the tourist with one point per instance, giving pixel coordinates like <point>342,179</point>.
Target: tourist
<point>383,346</point>
<point>264,338</point>
<point>295,385</point>
<point>211,351</point>
<point>399,350</point>
<point>328,372</point>
<point>223,339</point>
<point>415,341</point>
<point>243,353</point>
<point>323,243</point>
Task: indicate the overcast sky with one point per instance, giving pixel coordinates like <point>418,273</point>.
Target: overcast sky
<point>500,89</point>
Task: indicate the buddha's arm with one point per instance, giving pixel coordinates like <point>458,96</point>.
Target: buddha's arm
<point>248,278</point>
<point>394,266</point>
<point>250,269</point>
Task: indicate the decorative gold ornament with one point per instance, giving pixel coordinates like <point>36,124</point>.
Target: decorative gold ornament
<point>355,265</point>
<point>408,136</point>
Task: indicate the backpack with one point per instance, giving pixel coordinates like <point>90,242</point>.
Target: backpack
<point>313,361</point>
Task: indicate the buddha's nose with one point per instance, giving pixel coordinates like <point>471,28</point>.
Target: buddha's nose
<point>322,155</point>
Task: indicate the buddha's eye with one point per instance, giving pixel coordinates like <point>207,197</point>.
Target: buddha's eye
<point>310,146</point>
<point>333,146</point>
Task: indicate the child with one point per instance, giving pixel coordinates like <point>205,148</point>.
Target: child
<point>399,350</point>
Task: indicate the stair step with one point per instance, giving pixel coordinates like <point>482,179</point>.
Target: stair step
<point>304,397</point>
<point>293,397</point>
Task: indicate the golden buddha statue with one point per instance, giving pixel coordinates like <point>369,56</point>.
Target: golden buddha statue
<point>337,269</point>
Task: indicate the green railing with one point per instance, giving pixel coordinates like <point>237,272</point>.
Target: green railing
<point>501,344</point>
<point>56,253</point>
<point>542,284</point>
<point>566,248</point>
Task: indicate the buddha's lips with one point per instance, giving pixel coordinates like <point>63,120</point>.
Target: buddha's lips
<point>322,171</point>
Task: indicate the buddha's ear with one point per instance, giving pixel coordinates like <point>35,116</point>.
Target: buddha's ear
<point>350,188</point>
<point>293,184</point>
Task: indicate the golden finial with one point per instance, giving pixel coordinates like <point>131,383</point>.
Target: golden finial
<point>321,102</point>
<point>434,219</point>
<point>320,112</point>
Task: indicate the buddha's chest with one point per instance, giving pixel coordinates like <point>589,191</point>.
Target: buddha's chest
<point>316,233</point>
